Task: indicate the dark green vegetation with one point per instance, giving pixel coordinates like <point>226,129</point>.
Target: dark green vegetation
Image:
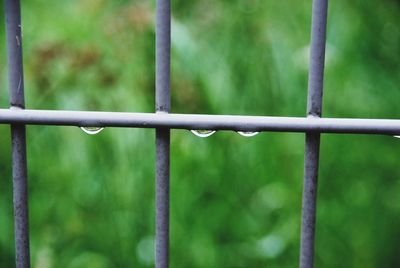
<point>235,201</point>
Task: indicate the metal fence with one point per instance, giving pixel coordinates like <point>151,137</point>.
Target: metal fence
<point>312,125</point>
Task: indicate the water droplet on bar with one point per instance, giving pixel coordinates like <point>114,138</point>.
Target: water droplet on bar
<point>247,134</point>
<point>203,133</point>
<point>92,130</point>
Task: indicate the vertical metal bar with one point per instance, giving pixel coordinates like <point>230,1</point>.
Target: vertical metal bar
<point>18,139</point>
<point>163,48</point>
<point>314,108</point>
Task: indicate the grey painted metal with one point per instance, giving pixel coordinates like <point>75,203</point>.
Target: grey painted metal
<point>20,196</point>
<point>162,197</point>
<point>163,48</point>
<point>198,121</point>
<point>314,109</point>
<point>163,55</point>
<point>14,51</point>
<point>18,139</point>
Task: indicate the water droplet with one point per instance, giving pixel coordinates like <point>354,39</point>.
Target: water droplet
<point>92,130</point>
<point>397,137</point>
<point>203,133</point>
<point>247,133</point>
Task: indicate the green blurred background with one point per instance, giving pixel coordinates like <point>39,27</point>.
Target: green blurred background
<point>235,201</point>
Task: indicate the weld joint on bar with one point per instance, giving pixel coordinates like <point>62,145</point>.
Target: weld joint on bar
<point>17,107</point>
<point>313,116</point>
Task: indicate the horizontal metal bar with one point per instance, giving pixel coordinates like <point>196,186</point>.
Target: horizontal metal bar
<point>197,121</point>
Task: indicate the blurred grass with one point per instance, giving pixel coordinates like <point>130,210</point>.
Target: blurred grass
<point>235,202</point>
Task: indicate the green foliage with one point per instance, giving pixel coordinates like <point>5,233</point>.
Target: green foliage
<point>235,201</point>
